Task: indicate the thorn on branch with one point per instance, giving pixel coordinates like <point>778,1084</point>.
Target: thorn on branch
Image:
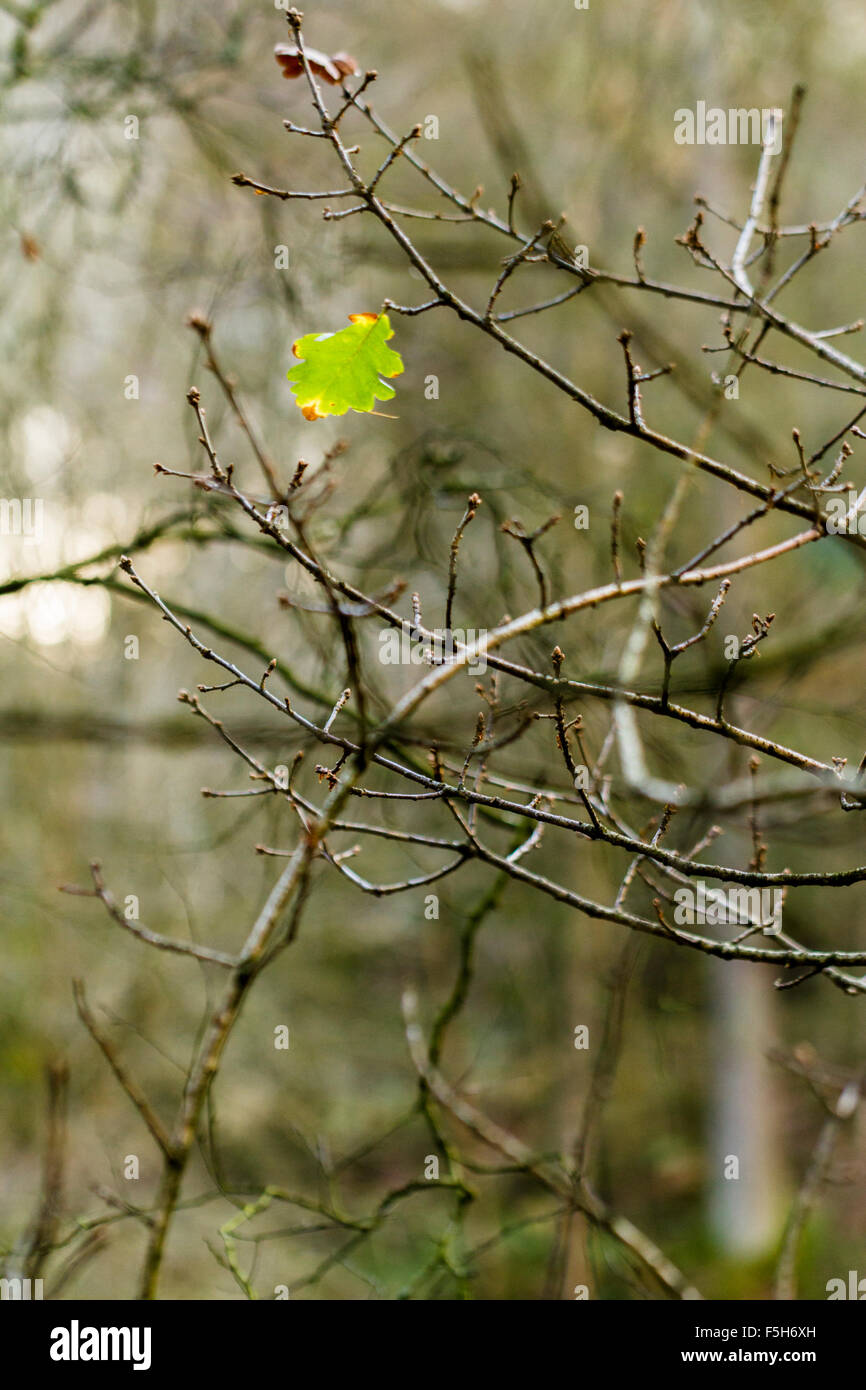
<point>516,529</point>
<point>639,243</point>
<point>615,535</point>
<point>336,710</point>
<point>512,194</point>
<point>473,504</point>
<point>633,373</point>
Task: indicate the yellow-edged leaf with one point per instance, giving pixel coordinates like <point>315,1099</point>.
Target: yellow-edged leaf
<point>345,370</point>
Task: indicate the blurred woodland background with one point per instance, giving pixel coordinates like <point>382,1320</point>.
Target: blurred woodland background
<point>109,243</point>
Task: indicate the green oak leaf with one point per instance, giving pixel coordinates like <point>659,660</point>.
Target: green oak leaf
<point>345,370</point>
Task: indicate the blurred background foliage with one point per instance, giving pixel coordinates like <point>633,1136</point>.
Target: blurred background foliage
<point>108,244</point>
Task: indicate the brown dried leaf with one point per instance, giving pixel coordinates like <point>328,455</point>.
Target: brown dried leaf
<point>332,70</point>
